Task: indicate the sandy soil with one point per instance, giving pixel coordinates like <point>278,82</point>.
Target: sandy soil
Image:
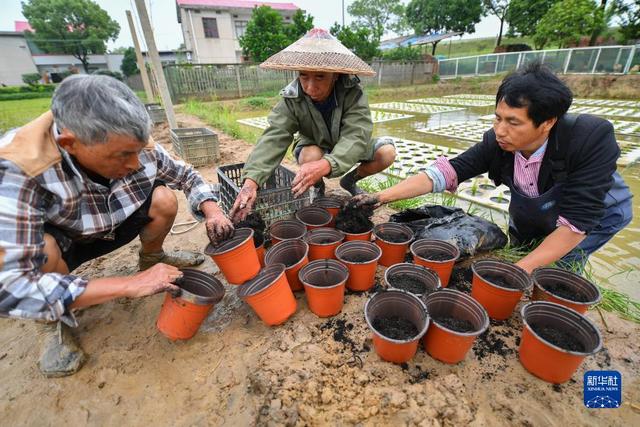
<point>310,371</point>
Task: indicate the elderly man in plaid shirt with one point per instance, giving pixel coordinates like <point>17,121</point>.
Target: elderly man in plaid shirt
<point>79,182</point>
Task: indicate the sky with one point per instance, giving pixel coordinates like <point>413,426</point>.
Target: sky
<point>169,35</point>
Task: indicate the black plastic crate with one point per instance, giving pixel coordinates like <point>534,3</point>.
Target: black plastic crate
<point>198,146</point>
<point>275,200</point>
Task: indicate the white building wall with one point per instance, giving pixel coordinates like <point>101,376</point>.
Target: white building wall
<point>222,50</point>
<point>16,59</point>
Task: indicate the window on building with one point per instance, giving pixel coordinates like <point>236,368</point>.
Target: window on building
<point>241,27</point>
<point>210,26</point>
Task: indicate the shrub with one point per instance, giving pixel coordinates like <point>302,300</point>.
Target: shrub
<point>514,47</point>
<point>31,78</point>
<point>115,74</point>
<point>36,88</point>
<point>257,102</point>
<point>24,95</point>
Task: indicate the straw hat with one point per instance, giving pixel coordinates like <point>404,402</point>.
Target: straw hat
<point>318,50</point>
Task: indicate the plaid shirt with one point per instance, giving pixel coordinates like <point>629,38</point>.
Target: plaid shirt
<point>65,197</point>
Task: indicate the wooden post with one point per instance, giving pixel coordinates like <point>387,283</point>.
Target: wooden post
<point>155,61</point>
<point>140,59</point>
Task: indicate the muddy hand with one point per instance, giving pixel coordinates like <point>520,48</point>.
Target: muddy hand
<point>370,200</point>
<point>156,279</point>
<point>309,174</point>
<point>219,228</point>
<point>244,202</point>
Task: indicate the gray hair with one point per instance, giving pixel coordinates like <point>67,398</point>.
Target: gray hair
<point>94,106</point>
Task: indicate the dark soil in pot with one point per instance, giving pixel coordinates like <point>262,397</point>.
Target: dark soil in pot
<point>255,222</point>
<point>558,338</point>
<point>458,325</point>
<point>392,237</point>
<point>499,281</point>
<point>395,327</point>
<point>357,258</point>
<point>408,283</point>
<point>435,256</point>
<point>353,219</point>
<point>565,291</point>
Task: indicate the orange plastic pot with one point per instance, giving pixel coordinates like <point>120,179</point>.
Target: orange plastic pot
<point>395,302</point>
<point>443,343</point>
<point>545,360</point>
<point>366,236</point>
<point>269,295</point>
<point>393,252</point>
<point>499,301</point>
<point>331,204</point>
<point>260,252</point>
<point>361,258</point>
<point>181,315</point>
<point>286,229</point>
<point>323,242</point>
<point>545,276</point>
<point>324,283</point>
<point>236,258</point>
<point>294,255</point>
<point>313,217</point>
<point>426,276</point>
<point>421,249</point>
<point>259,244</point>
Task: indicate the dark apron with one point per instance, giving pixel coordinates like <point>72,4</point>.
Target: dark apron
<point>534,218</point>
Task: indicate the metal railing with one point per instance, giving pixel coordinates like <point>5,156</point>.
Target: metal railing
<point>582,60</point>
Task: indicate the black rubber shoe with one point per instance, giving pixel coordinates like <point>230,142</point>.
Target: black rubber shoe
<point>349,181</point>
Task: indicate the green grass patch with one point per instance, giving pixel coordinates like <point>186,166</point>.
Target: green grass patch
<point>222,117</point>
<point>374,185</point>
<point>17,113</point>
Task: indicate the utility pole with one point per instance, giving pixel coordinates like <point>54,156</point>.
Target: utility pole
<point>140,59</point>
<point>155,61</point>
<point>342,13</point>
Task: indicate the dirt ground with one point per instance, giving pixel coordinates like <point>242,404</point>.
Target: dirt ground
<point>309,371</point>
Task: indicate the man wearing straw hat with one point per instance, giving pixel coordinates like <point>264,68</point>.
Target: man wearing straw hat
<point>327,111</point>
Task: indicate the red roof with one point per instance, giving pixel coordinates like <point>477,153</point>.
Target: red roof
<point>22,26</point>
<point>237,4</point>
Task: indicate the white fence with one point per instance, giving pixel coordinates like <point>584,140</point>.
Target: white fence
<point>584,60</point>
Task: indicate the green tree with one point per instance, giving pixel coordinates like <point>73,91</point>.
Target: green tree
<point>630,21</point>
<point>357,39</point>
<point>566,22</point>
<point>436,16</point>
<point>74,27</point>
<point>379,16</point>
<point>523,15</point>
<point>129,64</point>
<point>604,13</point>
<point>300,24</point>
<point>499,8</point>
<point>265,34</point>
